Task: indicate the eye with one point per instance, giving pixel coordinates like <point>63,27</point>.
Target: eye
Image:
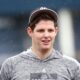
<point>40,30</point>
<point>50,30</point>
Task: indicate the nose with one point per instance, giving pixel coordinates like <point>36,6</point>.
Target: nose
<point>46,34</point>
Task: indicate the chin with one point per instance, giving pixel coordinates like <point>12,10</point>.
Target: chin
<point>46,47</point>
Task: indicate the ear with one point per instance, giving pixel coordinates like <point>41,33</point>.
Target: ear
<point>29,31</point>
<point>56,30</point>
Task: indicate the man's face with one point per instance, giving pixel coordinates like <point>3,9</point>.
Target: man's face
<point>43,34</point>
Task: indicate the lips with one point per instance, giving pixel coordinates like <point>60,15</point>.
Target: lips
<point>45,42</point>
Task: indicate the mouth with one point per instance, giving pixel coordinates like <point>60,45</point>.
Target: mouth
<point>45,42</point>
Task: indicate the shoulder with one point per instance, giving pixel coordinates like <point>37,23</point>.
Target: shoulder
<point>13,60</point>
<point>73,67</point>
<point>9,65</point>
<point>70,62</point>
<point>70,59</point>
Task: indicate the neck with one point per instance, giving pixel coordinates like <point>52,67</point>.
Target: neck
<point>42,54</point>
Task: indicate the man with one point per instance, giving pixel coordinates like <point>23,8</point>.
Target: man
<point>41,61</point>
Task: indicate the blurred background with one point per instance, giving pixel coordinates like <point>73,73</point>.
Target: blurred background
<point>14,16</point>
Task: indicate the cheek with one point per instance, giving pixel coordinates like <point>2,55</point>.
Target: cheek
<point>36,37</point>
<point>53,34</point>
<point>53,37</point>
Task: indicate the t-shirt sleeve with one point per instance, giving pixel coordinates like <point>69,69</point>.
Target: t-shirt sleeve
<point>73,67</point>
<point>77,71</point>
<point>6,70</point>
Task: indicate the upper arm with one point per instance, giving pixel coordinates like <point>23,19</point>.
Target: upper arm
<point>6,70</point>
<point>77,72</point>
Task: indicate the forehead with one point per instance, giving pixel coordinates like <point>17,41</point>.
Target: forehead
<point>45,24</point>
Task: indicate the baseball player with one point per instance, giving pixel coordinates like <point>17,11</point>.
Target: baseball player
<point>41,61</point>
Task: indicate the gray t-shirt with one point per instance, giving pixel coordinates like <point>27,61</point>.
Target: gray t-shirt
<point>26,66</point>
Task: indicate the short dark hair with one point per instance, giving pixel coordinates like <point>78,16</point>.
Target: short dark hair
<point>42,13</point>
<point>43,16</point>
